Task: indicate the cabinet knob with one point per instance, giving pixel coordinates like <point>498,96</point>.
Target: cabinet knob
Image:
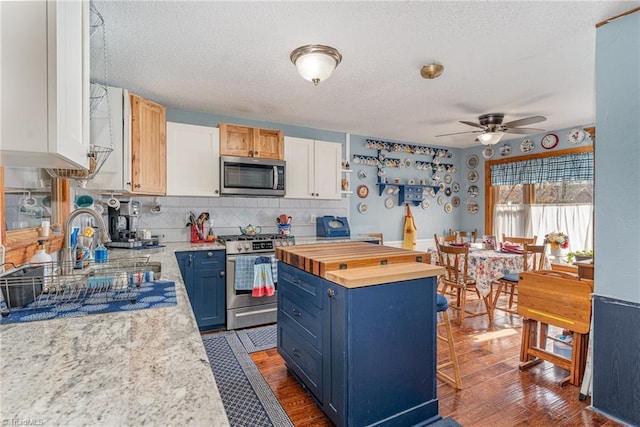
<point>330,292</point>
<point>255,153</point>
<point>295,352</point>
<point>296,312</point>
<point>222,273</point>
<point>138,185</point>
<point>209,253</point>
<point>217,191</point>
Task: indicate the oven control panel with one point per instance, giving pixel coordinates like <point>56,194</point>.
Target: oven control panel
<point>262,245</point>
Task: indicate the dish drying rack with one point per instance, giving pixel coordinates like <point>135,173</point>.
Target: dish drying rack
<point>44,285</point>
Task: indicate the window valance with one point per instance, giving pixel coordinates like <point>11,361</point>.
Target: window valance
<point>570,167</point>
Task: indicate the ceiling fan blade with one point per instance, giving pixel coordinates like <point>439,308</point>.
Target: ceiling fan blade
<point>459,133</point>
<point>526,121</point>
<point>477,125</point>
<point>523,130</point>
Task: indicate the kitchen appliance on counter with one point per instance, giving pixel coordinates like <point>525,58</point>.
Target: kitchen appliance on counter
<point>332,226</point>
<point>244,310</point>
<point>123,225</point>
<point>251,176</point>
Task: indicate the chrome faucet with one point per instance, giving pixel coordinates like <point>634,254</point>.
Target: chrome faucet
<point>67,251</point>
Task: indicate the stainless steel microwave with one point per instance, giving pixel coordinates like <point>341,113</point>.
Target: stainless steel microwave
<point>250,176</point>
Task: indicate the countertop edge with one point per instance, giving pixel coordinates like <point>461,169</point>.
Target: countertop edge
<point>382,274</point>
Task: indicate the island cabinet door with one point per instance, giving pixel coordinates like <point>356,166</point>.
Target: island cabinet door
<point>380,354</point>
<point>335,350</point>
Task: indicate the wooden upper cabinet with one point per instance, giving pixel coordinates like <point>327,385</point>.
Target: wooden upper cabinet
<point>244,141</point>
<point>148,147</point>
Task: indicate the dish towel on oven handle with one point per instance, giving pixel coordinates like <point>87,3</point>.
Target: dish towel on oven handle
<point>263,284</point>
<point>244,272</point>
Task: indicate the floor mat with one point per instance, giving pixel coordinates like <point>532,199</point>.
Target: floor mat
<point>258,339</point>
<point>246,396</point>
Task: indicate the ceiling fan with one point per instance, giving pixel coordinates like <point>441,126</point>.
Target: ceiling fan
<point>493,129</point>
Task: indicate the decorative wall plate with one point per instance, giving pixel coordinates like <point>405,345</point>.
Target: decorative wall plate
<point>473,191</point>
<point>487,153</point>
<point>363,191</point>
<point>448,208</point>
<point>388,203</point>
<point>441,185</point>
<point>447,191</point>
<point>448,179</point>
<point>472,161</point>
<point>441,200</point>
<point>362,174</point>
<point>576,136</point>
<point>455,187</point>
<point>425,204</point>
<point>472,208</point>
<point>363,208</point>
<point>505,149</point>
<point>432,193</point>
<point>527,146</point>
<point>455,201</point>
<point>472,176</point>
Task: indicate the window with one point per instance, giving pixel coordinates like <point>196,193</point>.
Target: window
<point>538,194</point>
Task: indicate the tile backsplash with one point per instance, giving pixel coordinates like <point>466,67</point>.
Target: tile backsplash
<point>228,213</point>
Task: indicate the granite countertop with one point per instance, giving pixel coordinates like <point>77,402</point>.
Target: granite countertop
<point>126,368</point>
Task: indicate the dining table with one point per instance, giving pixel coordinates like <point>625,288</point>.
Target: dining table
<point>486,266</point>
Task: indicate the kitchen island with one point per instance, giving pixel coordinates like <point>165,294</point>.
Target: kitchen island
<point>144,367</point>
<point>357,326</point>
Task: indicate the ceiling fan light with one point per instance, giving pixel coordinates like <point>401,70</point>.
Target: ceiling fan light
<point>490,138</point>
<point>316,62</point>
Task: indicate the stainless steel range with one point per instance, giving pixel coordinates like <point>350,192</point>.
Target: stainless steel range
<point>244,310</point>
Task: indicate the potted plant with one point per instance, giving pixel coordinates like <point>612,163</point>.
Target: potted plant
<point>579,255</point>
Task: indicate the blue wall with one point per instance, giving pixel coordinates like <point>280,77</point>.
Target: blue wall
<point>616,382</point>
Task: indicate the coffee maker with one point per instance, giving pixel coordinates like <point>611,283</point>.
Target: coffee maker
<point>123,225</point>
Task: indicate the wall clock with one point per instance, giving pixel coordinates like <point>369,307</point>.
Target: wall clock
<point>549,141</point>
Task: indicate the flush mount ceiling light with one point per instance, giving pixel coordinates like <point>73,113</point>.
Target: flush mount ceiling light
<point>431,71</point>
<point>315,62</point>
<point>490,138</point>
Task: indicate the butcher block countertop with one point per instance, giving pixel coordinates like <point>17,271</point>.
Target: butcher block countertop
<point>367,276</point>
<point>357,264</point>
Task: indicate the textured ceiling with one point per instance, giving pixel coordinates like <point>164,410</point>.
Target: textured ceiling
<point>232,58</point>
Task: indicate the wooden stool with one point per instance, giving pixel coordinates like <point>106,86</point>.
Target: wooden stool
<point>554,298</point>
<point>456,381</point>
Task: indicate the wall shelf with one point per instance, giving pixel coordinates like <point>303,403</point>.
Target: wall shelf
<point>409,193</point>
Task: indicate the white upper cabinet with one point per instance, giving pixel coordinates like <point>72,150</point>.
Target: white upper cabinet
<point>193,164</point>
<point>313,168</point>
<point>45,83</point>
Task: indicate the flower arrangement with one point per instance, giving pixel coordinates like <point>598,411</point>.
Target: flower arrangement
<point>557,240</point>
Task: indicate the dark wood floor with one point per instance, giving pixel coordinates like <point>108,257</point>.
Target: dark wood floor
<point>494,392</point>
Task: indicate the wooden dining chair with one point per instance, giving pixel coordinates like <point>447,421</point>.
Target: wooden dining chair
<point>520,240</point>
<point>470,236</point>
<point>533,260</point>
<point>445,239</point>
<point>455,260</point>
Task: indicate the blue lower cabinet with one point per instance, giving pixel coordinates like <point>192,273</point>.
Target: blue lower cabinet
<point>203,273</point>
<point>377,354</point>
